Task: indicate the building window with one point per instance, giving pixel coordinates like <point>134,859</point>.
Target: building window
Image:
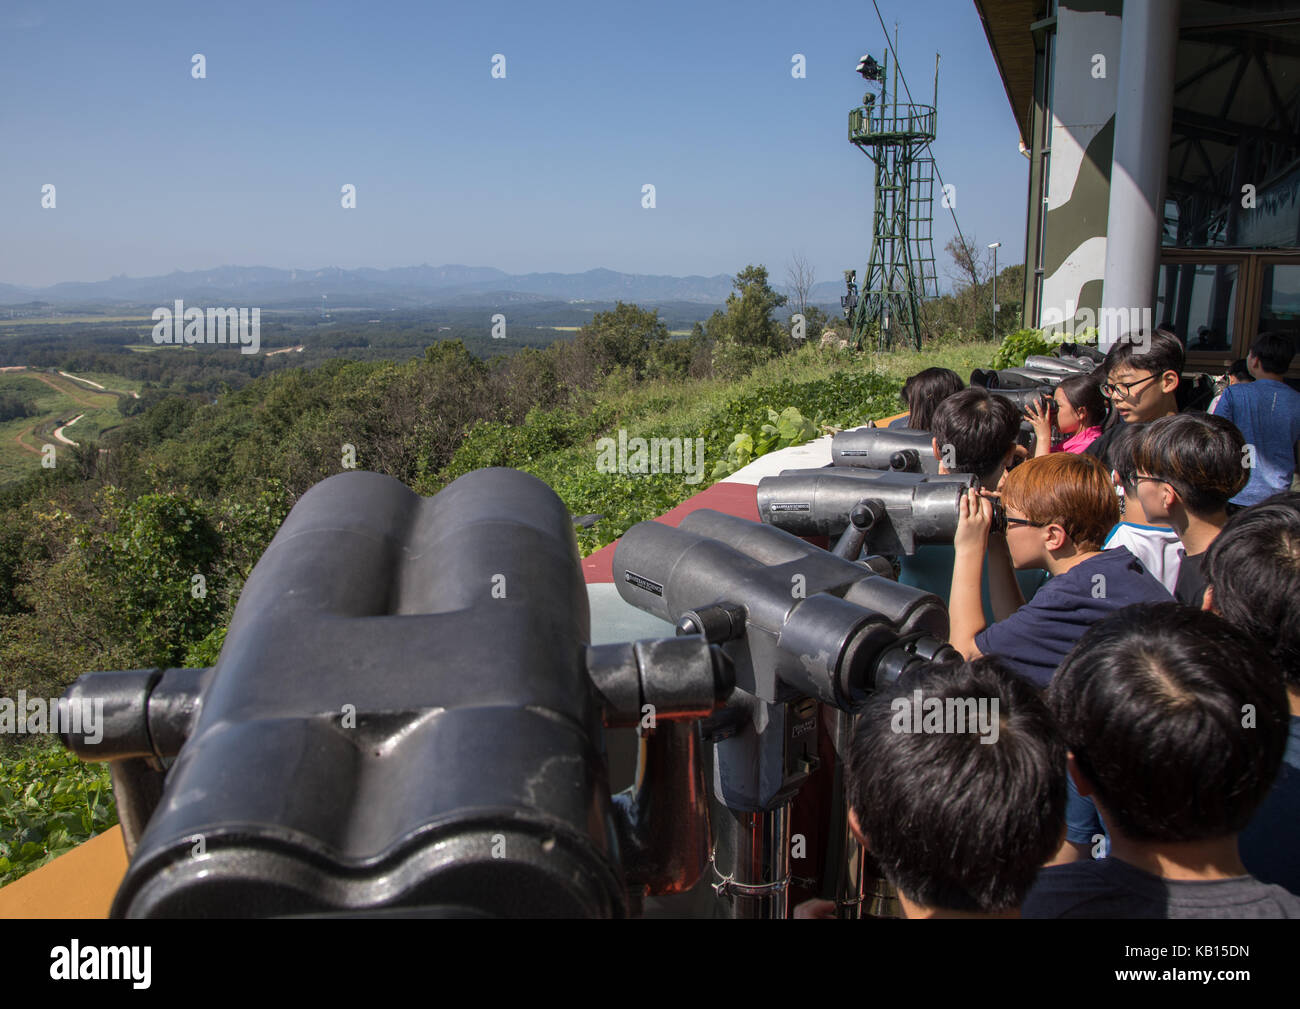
<point>1234,155</point>
<point>1197,302</point>
<point>1280,298</point>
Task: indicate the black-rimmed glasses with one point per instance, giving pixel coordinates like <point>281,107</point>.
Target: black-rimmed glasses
<point>1125,389</point>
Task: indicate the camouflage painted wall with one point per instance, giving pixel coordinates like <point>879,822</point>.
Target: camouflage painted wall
<point>1082,133</point>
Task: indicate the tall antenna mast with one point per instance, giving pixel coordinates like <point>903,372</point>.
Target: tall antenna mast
<point>900,272</point>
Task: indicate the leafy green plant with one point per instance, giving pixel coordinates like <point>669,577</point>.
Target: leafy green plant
<point>50,802</point>
<point>1017,346</point>
<point>789,427</point>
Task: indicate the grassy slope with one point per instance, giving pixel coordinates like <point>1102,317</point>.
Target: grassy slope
<point>683,408</point>
<point>59,400</point>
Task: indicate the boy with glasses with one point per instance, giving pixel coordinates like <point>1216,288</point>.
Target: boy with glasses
<point>1141,381</point>
<point>1187,468</point>
<point>1154,544</point>
<point>1059,510</point>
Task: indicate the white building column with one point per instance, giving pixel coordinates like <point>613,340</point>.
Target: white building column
<point>1139,166</point>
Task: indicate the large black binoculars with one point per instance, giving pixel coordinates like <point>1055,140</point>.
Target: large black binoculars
<point>407,716</point>
<point>800,626</point>
<point>881,511</point>
<point>804,620</point>
<point>899,449</point>
<point>1039,372</point>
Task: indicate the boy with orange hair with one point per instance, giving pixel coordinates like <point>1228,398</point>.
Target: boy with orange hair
<point>1059,510</point>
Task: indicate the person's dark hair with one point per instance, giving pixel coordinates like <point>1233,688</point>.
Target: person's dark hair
<point>957,823</point>
<point>981,428</point>
<point>1177,719</point>
<point>1199,454</point>
<point>924,391</point>
<point>1084,393</point>
<point>1165,353</point>
<point>1253,566</point>
<point>1122,453</point>
<point>1241,371</point>
<point>1275,349</point>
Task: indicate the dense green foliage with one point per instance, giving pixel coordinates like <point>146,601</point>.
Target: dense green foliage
<point>14,406</point>
<point>789,427</point>
<point>1017,346</point>
<point>50,802</point>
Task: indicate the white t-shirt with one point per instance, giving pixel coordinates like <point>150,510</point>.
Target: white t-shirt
<point>1157,547</point>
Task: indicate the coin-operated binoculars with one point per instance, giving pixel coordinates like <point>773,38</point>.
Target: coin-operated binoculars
<point>800,626</point>
<point>901,450</point>
<point>879,511</point>
<point>407,718</point>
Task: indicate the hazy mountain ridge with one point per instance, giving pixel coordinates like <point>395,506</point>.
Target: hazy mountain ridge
<point>400,286</point>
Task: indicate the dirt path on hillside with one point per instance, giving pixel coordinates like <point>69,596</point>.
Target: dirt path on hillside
<point>71,395</point>
<point>23,434</point>
<point>118,392</point>
<point>58,431</point>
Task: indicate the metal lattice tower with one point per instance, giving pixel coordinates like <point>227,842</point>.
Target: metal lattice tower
<point>901,268</point>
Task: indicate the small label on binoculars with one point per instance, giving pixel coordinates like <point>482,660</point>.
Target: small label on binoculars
<point>789,506</point>
<point>642,582</point>
<point>854,451</point>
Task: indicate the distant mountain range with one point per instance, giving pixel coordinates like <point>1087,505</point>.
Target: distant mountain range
<point>408,286</point>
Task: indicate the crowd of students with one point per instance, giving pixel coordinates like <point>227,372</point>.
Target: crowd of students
<point>1148,758</point>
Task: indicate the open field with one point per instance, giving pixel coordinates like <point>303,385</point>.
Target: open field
<point>111,383</point>
<point>59,400</point>
<point>68,320</point>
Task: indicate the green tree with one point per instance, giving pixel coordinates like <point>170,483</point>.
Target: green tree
<point>748,319</point>
<point>148,564</point>
<point>814,321</point>
<point>625,337</point>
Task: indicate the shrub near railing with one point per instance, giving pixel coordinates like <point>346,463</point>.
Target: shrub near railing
<point>842,399</point>
<point>50,802</point>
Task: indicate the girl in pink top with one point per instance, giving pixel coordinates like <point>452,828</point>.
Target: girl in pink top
<point>1078,408</point>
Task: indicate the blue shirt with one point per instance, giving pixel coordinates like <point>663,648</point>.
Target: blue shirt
<point>1270,844</point>
<point>1035,639</point>
<point>1267,413</point>
<point>930,569</point>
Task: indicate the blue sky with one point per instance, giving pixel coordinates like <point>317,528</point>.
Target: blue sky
<point>542,171</point>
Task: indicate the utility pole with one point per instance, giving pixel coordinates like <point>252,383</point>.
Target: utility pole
<point>995,246</point>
